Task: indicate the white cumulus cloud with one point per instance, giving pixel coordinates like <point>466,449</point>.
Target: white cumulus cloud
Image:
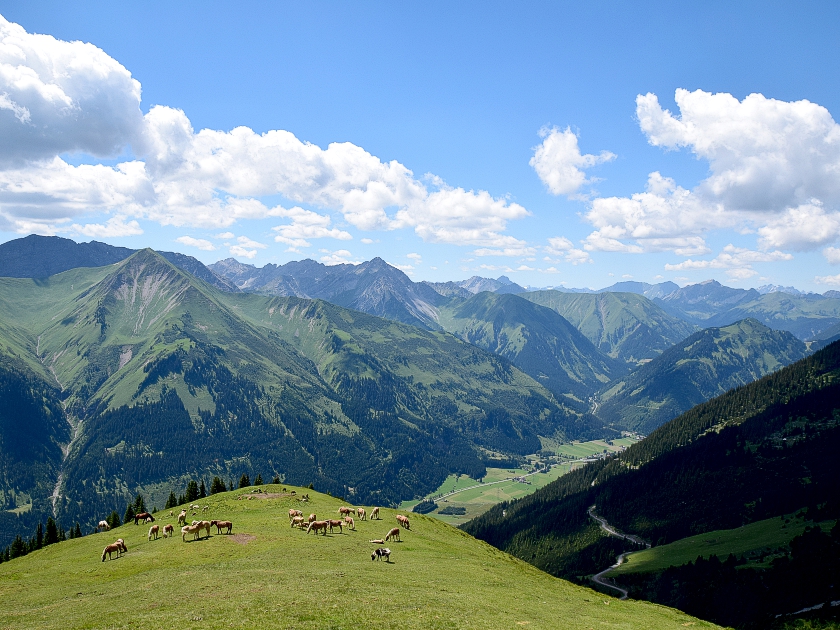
<point>559,162</point>
<point>199,243</point>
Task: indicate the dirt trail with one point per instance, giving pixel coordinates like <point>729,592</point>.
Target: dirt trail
<point>598,578</point>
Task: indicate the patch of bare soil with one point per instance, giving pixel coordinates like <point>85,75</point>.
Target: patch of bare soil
<point>243,539</point>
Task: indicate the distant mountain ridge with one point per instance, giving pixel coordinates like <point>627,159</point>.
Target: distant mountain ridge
<point>37,256</point>
<point>698,368</point>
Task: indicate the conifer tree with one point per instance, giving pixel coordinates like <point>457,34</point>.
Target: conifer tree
<point>52,532</point>
<point>18,548</point>
<point>217,486</point>
<point>258,481</point>
<point>39,536</point>
<point>114,519</point>
<point>244,481</point>
<point>129,513</point>
<point>139,504</point>
<point>172,501</point>
<point>62,535</point>
<point>192,492</point>
<point>77,532</point>
<point>202,491</point>
<point>276,480</point>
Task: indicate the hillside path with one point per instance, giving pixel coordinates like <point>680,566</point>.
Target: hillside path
<point>598,578</point>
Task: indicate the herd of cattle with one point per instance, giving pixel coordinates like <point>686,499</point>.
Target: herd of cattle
<point>296,519</point>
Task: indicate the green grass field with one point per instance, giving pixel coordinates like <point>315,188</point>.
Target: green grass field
<point>761,536</point>
<point>268,575</point>
<point>478,500</point>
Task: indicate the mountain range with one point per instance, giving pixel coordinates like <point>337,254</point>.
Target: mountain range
<point>143,375</point>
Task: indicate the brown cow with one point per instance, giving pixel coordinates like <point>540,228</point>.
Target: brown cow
<point>374,513</point>
<point>344,510</point>
<point>393,534</point>
<point>361,513</point>
<point>403,520</point>
<point>153,531</point>
<point>351,524</point>
<point>168,530</point>
<point>297,521</point>
<point>312,517</point>
<point>334,523</point>
<point>144,516</point>
<point>293,513</point>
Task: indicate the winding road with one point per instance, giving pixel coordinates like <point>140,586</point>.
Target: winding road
<point>598,578</point>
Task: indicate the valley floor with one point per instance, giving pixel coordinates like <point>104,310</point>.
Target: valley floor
<point>505,484</point>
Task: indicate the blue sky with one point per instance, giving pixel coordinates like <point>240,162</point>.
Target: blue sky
<point>413,133</point>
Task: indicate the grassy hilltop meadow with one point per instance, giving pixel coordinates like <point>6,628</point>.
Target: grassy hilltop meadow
<point>269,575</point>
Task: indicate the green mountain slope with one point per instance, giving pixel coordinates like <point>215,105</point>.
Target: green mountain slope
<point>625,326</point>
<point>267,575</point>
<point>536,339</point>
<point>759,451</point>
<point>167,378</point>
<point>700,367</point>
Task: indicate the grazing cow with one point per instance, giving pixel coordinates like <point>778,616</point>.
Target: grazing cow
<point>351,524</point>
<point>394,534</point>
<point>293,513</point>
<point>121,543</point>
<point>195,506</point>
<point>361,513</point>
<point>205,508</point>
<point>220,525</point>
<point>344,510</point>
<point>381,552</point>
<point>374,513</point>
<point>403,520</point>
<point>168,530</point>
<point>113,547</point>
<point>171,513</point>
<point>312,517</point>
<point>144,516</point>
<point>153,531</point>
<point>314,526</point>
<point>335,524</point>
<point>103,526</point>
<point>182,518</point>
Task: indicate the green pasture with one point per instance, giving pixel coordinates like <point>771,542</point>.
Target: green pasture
<point>478,500</point>
<point>267,575</point>
<point>749,540</point>
<point>587,449</point>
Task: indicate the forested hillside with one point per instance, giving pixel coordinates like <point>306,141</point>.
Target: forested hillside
<point>762,450</point>
<point>703,366</point>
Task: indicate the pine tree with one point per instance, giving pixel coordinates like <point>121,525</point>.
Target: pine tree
<point>181,499</point>
<point>258,481</point>
<point>129,513</point>
<point>114,519</point>
<point>139,504</point>
<point>18,548</point>
<point>276,480</point>
<point>39,536</point>
<point>192,492</point>
<point>77,532</point>
<point>217,486</point>
<point>230,485</point>
<point>244,481</point>
<point>172,501</point>
<point>52,532</point>
<point>202,491</point>
<point>62,535</point>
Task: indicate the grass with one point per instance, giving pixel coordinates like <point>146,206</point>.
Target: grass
<point>269,575</point>
<point>749,540</point>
